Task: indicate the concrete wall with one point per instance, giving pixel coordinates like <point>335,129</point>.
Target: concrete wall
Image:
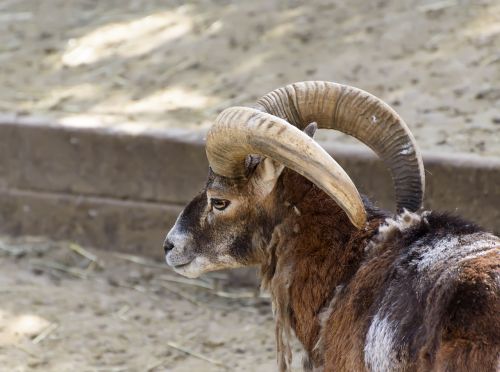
<point>119,190</point>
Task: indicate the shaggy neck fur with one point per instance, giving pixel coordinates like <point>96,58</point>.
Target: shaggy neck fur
<point>312,242</point>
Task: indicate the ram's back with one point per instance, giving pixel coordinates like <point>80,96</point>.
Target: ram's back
<point>426,298</point>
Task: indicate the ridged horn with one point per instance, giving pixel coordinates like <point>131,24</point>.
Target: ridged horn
<point>361,115</point>
<point>240,131</point>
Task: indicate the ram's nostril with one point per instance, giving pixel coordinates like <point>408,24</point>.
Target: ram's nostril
<point>168,246</point>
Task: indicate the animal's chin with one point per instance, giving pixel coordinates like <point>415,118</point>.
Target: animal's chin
<point>188,270</point>
<point>182,265</point>
<point>197,266</point>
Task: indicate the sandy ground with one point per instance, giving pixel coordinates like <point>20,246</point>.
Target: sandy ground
<point>172,63</point>
<point>133,63</point>
<point>61,311</point>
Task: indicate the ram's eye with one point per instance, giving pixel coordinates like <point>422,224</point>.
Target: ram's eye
<point>219,204</point>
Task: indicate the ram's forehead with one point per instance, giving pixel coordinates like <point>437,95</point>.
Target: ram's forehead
<point>226,186</point>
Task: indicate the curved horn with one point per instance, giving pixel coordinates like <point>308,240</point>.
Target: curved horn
<point>240,131</point>
<point>361,115</point>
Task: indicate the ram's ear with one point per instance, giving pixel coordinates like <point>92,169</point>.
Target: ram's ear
<point>311,129</point>
<point>268,171</point>
<point>266,175</point>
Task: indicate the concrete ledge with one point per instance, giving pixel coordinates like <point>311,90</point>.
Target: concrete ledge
<point>109,187</point>
<point>160,166</point>
<point>111,224</point>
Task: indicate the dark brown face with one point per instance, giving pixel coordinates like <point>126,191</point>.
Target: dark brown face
<point>218,228</point>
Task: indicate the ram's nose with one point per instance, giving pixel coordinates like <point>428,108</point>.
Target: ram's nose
<point>168,246</point>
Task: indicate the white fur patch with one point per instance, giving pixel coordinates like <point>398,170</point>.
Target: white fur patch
<point>177,237</point>
<point>180,240</point>
<point>451,248</point>
<point>201,264</point>
<point>380,347</point>
<point>194,269</point>
<point>296,211</point>
<point>455,249</point>
<point>402,221</point>
<point>392,226</point>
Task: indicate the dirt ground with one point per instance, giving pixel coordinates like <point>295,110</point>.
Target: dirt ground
<point>64,309</point>
<point>136,63</point>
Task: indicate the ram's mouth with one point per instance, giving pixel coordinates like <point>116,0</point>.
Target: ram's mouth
<point>182,265</point>
<point>189,269</point>
<point>176,261</point>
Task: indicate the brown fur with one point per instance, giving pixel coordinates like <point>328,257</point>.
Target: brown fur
<point>471,329</point>
<point>419,292</point>
<point>319,250</point>
<point>321,224</point>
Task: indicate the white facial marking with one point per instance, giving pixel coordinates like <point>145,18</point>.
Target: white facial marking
<point>380,349</point>
<point>180,240</point>
<point>201,264</point>
<point>194,269</point>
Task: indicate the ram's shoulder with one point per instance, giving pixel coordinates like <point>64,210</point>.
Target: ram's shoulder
<point>436,225</point>
<point>425,253</point>
<point>443,242</point>
<point>411,230</point>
